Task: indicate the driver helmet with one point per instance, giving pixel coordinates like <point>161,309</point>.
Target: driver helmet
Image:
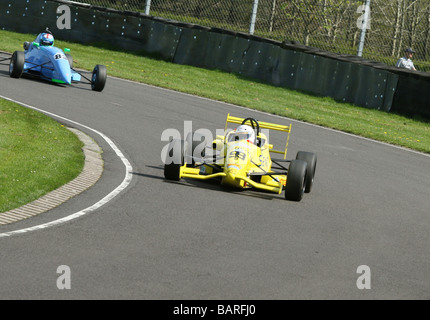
<point>247,131</point>
<point>46,39</point>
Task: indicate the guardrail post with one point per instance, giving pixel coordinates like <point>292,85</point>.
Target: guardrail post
<point>148,7</point>
<point>253,17</point>
<point>364,27</point>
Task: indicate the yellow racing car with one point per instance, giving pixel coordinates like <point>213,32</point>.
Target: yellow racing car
<point>241,158</point>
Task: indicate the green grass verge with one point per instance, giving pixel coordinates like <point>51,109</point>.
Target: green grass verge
<point>37,155</point>
<point>378,125</point>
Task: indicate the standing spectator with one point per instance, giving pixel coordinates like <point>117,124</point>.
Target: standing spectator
<point>406,61</point>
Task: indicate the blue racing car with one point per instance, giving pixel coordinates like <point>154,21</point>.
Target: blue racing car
<point>42,60</point>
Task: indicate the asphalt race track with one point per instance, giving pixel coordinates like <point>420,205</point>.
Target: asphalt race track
<point>194,240</point>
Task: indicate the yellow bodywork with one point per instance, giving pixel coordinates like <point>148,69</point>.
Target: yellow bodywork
<point>244,160</point>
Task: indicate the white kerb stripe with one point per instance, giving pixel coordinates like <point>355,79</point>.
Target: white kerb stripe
<point>106,199</point>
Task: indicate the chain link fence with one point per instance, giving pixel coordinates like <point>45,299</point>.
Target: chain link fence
<point>331,25</point>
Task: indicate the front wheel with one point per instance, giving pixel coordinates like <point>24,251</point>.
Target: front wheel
<point>98,79</point>
<point>195,147</point>
<point>296,180</point>
<point>16,66</point>
<point>174,160</point>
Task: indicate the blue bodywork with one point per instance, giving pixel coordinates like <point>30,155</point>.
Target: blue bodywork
<point>49,63</point>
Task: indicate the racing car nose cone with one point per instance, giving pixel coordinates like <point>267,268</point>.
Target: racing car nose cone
<point>62,73</point>
<point>230,178</point>
<point>66,77</point>
<point>62,81</point>
<point>232,172</point>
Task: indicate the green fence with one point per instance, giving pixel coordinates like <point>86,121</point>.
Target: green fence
<point>331,25</point>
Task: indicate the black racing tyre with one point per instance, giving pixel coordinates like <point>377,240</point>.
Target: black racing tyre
<point>174,160</point>
<point>98,79</point>
<point>296,180</point>
<point>194,148</point>
<point>311,160</point>
<point>70,59</point>
<point>16,66</point>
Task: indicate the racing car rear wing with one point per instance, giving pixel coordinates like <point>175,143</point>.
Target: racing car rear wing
<point>264,125</point>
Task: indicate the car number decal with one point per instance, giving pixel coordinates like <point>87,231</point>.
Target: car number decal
<point>237,154</point>
<point>59,56</point>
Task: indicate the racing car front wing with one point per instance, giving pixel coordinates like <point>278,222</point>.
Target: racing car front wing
<point>194,173</point>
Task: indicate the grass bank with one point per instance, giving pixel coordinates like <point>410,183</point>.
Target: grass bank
<point>37,155</point>
<point>378,125</point>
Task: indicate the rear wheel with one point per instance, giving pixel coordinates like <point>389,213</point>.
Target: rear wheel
<point>16,66</point>
<point>98,79</point>
<point>311,161</point>
<point>296,180</point>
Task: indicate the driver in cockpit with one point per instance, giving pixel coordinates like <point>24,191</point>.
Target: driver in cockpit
<point>243,132</point>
